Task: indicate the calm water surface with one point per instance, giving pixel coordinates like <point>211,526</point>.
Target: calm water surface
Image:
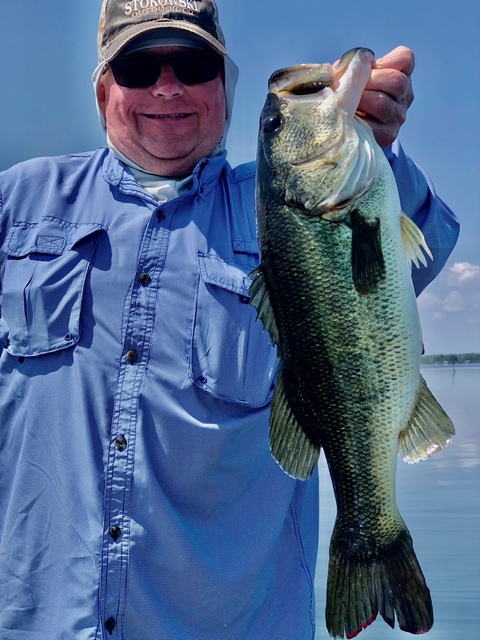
<point>440,501</point>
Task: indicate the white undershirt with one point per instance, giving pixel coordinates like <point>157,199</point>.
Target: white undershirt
<point>162,188</point>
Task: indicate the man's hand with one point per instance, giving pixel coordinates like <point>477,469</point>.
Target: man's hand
<point>388,94</point>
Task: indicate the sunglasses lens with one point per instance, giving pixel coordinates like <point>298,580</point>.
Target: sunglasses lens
<point>143,70</point>
<point>198,67</point>
<point>135,72</point>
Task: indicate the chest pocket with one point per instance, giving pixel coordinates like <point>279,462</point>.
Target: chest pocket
<point>231,356</point>
<point>45,267</point>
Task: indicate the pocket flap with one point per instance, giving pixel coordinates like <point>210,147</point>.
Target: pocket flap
<point>51,236</point>
<point>227,274</point>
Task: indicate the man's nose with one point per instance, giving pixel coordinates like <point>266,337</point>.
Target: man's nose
<point>167,84</point>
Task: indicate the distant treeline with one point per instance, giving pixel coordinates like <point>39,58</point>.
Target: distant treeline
<point>455,358</point>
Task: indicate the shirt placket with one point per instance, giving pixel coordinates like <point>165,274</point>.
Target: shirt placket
<point>138,323</point>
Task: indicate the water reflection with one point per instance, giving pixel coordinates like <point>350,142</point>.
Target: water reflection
<point>440,502</point>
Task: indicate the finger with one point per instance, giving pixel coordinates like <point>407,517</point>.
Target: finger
<point>380,107</point>
<point>392,82</point>
<point>401,58</point>
<point>383,114</point>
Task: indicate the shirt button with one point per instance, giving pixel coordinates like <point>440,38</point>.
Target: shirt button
<point>110,625</point>
<point>145,279</point>
<point>115,532</point>
<point>121,443</point>
<point>160,215</point>
<point>132,356</point>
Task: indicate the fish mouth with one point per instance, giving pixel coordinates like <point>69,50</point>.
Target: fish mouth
<point>347,78</point>
<point>301,79</point>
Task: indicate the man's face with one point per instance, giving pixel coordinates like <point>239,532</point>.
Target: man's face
<point>168,127</point>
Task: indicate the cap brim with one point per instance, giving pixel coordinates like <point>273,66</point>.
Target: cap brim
<point>136,30</point>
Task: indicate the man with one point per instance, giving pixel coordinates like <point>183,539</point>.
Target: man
<point>138,496</point>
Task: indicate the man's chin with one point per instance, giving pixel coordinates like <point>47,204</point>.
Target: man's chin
<point>171,162</point>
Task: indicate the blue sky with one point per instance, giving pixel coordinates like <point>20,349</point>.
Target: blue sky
<point>48,51</point>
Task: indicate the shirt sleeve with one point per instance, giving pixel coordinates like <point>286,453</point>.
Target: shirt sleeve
<point>420,202</point>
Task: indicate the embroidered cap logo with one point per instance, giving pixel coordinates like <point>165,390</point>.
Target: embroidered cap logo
<point>139,7</point>
<point>122,21</point>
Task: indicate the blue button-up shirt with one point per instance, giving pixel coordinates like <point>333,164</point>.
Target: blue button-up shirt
<point>138,496</point>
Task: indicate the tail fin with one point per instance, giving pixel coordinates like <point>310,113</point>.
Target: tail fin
<point>387,580</point>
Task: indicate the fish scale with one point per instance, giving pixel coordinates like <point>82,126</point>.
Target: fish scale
<point>334,291</point>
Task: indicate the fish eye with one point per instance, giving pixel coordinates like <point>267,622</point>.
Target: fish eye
<point>272,123</point>
<point>311,87</point>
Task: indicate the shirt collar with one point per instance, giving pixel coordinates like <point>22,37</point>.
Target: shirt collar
<point>205,175</point>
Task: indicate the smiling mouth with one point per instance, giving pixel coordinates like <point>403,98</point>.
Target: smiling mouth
<point>167,116</point>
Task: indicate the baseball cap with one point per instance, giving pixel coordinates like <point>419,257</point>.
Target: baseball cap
<point>122,21</point>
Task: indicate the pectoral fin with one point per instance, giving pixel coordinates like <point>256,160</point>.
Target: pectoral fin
<point>291,447</point>
<point>428,430</point>
<point>261,301</point>
<point>414,241</point>
<point>368,265</point>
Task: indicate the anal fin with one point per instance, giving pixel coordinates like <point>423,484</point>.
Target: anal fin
<point>429,429</point>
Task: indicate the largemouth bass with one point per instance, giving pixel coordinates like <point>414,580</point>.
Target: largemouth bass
<point>334,290</point>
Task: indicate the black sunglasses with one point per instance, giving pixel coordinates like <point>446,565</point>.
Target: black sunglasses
<point>139,70</point>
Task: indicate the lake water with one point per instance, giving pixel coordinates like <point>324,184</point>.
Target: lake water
<point>439,499</point>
